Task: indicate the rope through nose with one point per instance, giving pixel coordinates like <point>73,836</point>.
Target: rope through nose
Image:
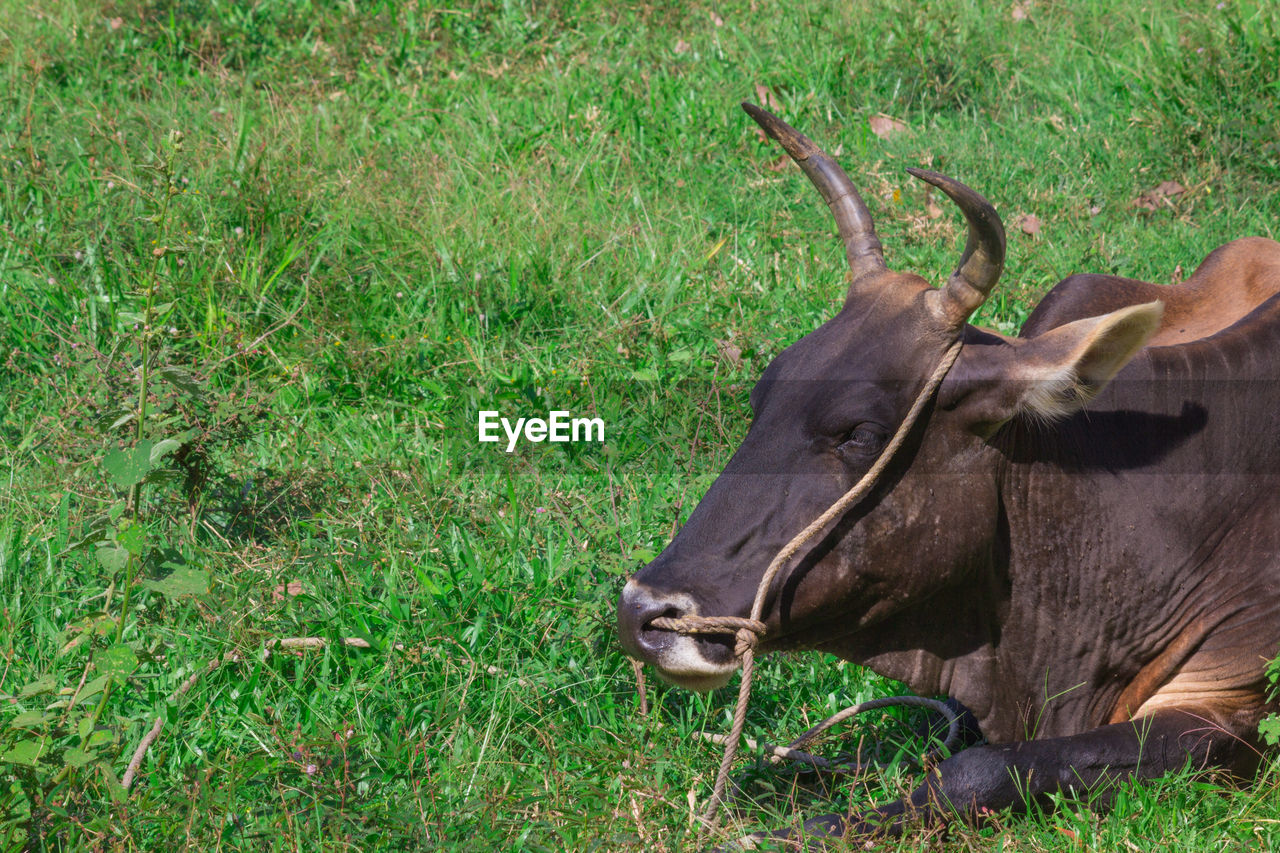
<point>748,632</point>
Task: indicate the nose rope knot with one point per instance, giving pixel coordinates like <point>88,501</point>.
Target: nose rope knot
<point>749,631</point>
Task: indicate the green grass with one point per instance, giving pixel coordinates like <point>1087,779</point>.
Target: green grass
<point>389,217</point>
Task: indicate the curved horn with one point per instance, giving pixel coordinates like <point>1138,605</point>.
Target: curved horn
<point>983,259</point>
<point>853,220</point>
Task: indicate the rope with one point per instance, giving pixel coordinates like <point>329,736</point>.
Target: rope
<point>748,632</point>
<point>791,751</point>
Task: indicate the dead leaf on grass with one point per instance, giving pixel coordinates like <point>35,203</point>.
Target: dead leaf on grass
<point>884,126</point>
<point>931,208</point>
<point>1161,196</point>
<point>730,353</point>
<point>284,590</point>
<point>682,46</point>
<point>767,99</point>
<point>779,165</point>
<point>1029,224</point>
<point>1021,11</point>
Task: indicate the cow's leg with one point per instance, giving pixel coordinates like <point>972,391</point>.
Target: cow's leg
<point>995,777</point>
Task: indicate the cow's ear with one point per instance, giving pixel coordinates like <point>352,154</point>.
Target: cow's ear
<point>1049,376</point>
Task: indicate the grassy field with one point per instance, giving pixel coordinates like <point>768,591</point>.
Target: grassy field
<point>261,266</point>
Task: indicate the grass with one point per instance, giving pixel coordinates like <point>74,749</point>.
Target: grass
<point>383,218</point>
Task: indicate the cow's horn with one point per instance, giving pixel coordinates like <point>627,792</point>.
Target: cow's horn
<point>853,220</point>
<point>983,259</point>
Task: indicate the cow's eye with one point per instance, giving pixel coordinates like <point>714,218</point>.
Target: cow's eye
<point>864,440</point>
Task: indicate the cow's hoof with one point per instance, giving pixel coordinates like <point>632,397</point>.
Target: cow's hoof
<point>828,826</point>
<point>816,834</point>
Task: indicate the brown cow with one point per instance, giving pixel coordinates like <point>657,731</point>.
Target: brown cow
<point>1080,541</point>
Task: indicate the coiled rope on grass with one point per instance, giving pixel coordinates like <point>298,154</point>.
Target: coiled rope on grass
<point>749,631</point>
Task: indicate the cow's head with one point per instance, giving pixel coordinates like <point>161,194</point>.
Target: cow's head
<point>824,410</point>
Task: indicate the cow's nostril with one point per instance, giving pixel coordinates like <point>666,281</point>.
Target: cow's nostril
<point>696,661</point>
<point>636,630</point>
<point>667,613</point>
<point>637,608</point>
<point>652,638</point>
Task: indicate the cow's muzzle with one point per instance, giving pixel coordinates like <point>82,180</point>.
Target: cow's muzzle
<point>695,662</point>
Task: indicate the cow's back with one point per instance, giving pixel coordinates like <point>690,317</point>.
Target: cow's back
<point>1233,281</point>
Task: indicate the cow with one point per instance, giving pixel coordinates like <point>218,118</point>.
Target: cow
<point>1079,540</point>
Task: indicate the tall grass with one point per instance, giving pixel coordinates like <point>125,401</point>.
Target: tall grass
<point>388,217</point>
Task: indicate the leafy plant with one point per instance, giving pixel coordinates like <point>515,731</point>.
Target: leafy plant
<point>1270,725</point>
<point>73,728</point>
